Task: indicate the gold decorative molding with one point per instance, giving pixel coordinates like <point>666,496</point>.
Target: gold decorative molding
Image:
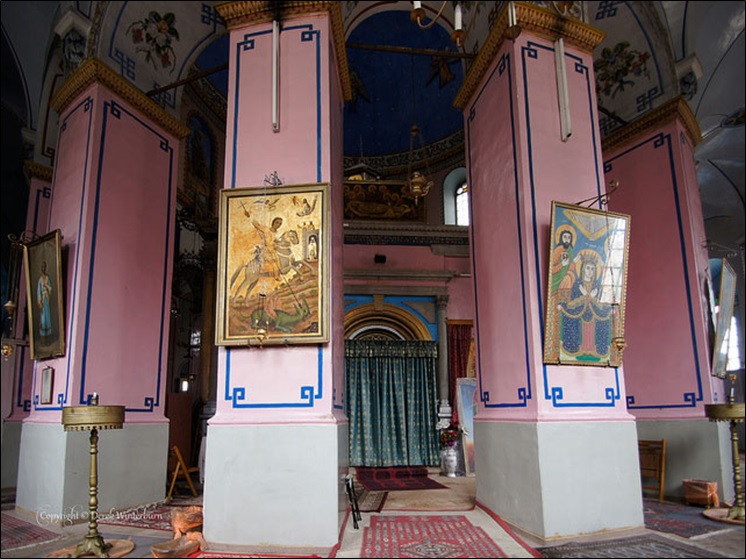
<point>34,170</point>
<point>536,20</point>
<point>675,109</point>
<point>94,71</point>
<point>237,14</point>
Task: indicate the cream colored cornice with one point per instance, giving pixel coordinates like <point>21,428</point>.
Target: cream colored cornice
<point>537,21</point>
<point>237,14</point>
<point>675,109</point>
<point>94,71</point>
<point>34,170</point>
<point>409,275</point>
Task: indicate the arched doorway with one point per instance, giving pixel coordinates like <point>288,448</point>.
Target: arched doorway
<point>391,387</point>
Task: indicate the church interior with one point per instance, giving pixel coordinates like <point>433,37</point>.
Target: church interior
<point>274,245</point>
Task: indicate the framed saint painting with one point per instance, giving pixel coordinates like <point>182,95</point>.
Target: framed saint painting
<point>586,286</point>
<point>273,266</point>
<point>44,290</point>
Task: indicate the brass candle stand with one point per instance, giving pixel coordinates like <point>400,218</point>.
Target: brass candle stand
<point>92,418</point>
<point>733,413</point>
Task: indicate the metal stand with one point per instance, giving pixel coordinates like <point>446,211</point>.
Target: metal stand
<point>93,543</point>
<point>733,413</point>
<point>737,510</point>
<point>352,495</point>
<point>93,418</point>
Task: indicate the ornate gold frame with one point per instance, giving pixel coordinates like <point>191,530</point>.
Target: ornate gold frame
<point>586,287</point>
<point>273,265</point>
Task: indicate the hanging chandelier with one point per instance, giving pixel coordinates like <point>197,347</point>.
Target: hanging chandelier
<point>417,185</point>
<point>458,34</point>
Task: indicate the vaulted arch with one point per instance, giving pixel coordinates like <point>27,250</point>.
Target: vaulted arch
<point>384,321</point>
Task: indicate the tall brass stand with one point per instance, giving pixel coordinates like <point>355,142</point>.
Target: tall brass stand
<point>92,418</point>
<point>733,413</point>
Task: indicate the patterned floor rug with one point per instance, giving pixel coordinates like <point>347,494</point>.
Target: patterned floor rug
<point>396,478</point>
<point>649,545</point>
<point>151,517</point>
<point>426,537</point>
<point>18,533</point>
<point>369,501</point>
<point>674,518</point>
<point>216,554</point>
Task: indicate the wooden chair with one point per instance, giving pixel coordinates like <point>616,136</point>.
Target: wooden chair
<point>653,465</point>
<point>181,470</point>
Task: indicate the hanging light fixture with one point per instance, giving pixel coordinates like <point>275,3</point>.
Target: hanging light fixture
<point>458,34</point>
<point>417,185</point>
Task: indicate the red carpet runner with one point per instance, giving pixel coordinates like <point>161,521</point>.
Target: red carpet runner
<point>396,478</point>
<point>426,537</point>
<point>18,533</point>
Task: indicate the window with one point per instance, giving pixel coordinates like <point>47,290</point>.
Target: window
<point>462,205</point>
<point>454,182</point>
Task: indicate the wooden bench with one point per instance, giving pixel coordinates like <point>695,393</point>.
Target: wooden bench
<point>653,465</point>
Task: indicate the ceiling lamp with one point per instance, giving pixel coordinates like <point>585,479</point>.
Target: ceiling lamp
<point>417,184</point>
<point>457,36</point>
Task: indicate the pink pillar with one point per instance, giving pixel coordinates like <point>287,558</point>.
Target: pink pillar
<point>280,419</point>
<point>667,363</point>
<point>113,197</point>
<point>557,436</point>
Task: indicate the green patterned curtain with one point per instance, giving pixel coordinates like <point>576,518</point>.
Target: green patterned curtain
<point>392,402</point>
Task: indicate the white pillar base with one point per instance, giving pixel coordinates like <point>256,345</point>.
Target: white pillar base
<point>696,449</point>
<point>275,486</point>
<point>554,480</point>
<point>54,465</point>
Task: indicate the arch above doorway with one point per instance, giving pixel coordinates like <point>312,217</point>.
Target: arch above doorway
<point>384,321</point>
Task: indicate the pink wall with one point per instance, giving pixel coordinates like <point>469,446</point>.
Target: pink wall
<point>114,195</point>
<point>666,363</point>
<point>518,165</point>
<point>295,383</point>
<point>415,259</point>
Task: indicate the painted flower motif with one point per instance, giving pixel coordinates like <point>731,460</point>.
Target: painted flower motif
<point>157,32</point>
<point>617,66</point>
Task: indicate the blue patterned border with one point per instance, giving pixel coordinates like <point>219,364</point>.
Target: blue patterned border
<point>115,110</point>
<point>248,43</point>
<point>236,394</point>
<point>503,69</point>
<point>612,394</point>
<point>689,399</point>
<point>87,105</point>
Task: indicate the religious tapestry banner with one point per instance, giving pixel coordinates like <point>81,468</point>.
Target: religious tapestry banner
<point>586,286</point>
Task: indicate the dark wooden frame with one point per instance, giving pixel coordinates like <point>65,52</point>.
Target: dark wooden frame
<point>46,319</point>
